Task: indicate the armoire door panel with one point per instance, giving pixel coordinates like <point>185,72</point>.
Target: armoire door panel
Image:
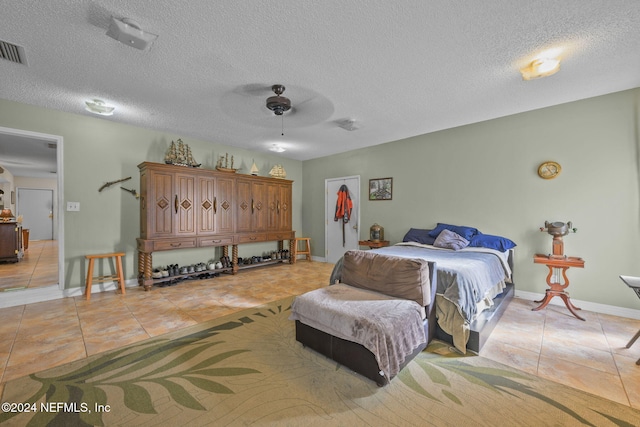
<point>244,206</point>
<point>185,206</point>
<point>161,204</point>
<point>223,203</point>
<point>206,205</point>
<point>260,206</point>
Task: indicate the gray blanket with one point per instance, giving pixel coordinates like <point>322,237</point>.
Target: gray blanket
<point>390,328</point>
<point>463,277</point>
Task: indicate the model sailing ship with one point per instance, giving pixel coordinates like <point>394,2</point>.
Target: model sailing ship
<point>278,172</point>
<point>226,167</point>
<point>180,155</point>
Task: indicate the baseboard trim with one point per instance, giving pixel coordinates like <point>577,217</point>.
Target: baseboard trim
<point>585,305</point>
<point>48,293</point>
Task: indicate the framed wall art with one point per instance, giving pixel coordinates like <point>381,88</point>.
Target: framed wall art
<point>381,189</point>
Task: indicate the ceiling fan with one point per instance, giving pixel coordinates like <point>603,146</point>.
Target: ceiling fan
<point>247,103</point>
<point>278,104</point>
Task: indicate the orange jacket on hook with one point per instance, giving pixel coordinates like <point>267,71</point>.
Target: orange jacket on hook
<point>344,205</point>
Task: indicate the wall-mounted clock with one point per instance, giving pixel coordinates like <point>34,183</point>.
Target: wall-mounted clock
<point>549,170</point>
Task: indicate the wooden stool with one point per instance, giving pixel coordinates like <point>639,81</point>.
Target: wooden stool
<point>307,246</point>
<point>118,277</point>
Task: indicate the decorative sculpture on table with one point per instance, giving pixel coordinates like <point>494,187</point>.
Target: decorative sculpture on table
<point>558,264</point>
<point>6,215</point>
<point>558,230</point>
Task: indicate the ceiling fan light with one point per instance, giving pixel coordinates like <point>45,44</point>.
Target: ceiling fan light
<point>541,67</point>
<point>98,106</point>
<point>278,104</point>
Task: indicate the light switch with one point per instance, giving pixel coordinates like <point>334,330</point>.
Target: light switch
<point>73,206</point>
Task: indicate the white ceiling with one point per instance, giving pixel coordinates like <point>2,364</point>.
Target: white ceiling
<point>28,156</point>
<point>399,68</point>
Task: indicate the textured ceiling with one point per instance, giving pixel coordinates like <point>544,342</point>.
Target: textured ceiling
<point>399,68</point>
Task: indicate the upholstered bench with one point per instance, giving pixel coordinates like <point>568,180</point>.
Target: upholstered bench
<point>376,320</point>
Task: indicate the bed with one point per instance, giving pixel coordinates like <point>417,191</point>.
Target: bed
<point>474,283</point>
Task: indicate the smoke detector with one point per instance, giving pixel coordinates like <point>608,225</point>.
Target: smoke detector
<point>129,32</point>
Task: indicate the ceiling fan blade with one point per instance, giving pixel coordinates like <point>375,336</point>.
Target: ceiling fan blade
<point>254,89</point>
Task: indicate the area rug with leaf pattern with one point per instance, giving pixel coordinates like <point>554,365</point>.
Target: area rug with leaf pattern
<point>247,369</point>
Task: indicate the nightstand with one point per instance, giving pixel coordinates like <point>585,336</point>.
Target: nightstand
<point>374,245</point>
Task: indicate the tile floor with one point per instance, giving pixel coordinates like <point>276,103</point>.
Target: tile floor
<point>553,344</point>
<point>38,267</point>
<point>550,343</point>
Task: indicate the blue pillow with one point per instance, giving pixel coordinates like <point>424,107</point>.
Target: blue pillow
<point>498,243</point>
<point>463,231</point>
<point>419,236</point>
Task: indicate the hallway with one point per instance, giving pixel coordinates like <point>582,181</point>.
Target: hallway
<point>38,267</point>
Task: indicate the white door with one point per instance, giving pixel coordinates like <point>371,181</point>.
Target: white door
<point>340,236</point>
<point>36,208</point>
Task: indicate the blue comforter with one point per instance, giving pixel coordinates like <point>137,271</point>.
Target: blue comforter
<point>463,276</point>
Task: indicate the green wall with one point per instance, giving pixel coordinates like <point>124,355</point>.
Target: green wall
<point>97,151</point>
<point>482,175</point>
<point>485,175</point>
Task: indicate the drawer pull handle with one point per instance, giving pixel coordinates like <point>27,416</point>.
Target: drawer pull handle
<point>176,245</point>
<point>252,238</point>
<point>216,241</point>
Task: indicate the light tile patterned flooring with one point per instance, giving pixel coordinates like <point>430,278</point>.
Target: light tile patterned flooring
<point>550,343</point>
<point>38,267</point>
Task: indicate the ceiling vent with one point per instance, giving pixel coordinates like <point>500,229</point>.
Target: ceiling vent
<point>12,52</point>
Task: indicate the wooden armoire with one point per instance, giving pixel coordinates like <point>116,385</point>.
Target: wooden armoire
<point>185,207</point>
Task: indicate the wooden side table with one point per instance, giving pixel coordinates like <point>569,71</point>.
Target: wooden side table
<point>557,264</point>
<point>374,245</point>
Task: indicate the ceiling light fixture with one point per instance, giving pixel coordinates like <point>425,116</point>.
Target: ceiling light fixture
<point>541,67</point>
<point>277,148</point>
<point>278,104</point>
<point>98,106</point>
<point>129,32</point>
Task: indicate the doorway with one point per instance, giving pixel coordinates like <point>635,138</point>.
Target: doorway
<point>36,208</point>
<point>22,150</point>
<point>341,237</point>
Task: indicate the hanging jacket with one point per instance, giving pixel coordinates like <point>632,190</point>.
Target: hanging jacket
<point>344,205</point>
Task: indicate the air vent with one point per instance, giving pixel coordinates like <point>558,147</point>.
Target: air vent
<point>12,52</point>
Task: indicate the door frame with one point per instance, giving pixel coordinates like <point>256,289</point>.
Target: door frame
<point>327,203</point>
<point>59,140</point>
